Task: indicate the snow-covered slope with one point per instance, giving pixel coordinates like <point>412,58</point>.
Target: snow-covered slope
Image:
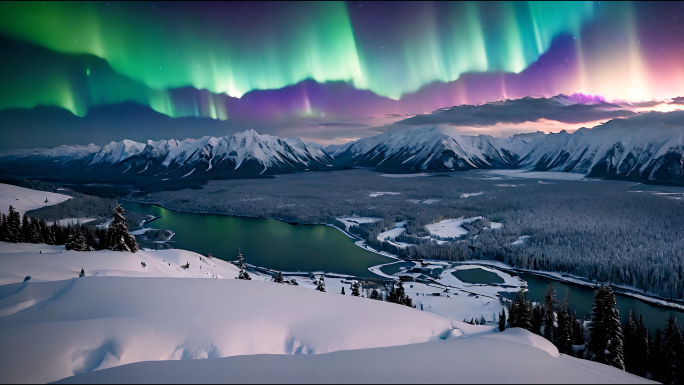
<point>56,325</point>
<point>238,155</point>
<point>435,148</point>
<point>644,147</point>
<point>24,199</point>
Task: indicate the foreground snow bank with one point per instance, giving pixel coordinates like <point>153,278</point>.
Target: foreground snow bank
<point>155,319</point>
<point>475,359</point>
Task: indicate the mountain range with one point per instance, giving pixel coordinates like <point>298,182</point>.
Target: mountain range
<point>646,147</point>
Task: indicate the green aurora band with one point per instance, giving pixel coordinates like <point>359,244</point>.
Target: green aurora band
<point>145,53</point>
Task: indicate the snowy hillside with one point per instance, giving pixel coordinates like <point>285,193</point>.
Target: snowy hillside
<point>435,148</point>
<point>241,154</point>
<point>644,147</point>
<point>56,325</point>
<point>24,199</point>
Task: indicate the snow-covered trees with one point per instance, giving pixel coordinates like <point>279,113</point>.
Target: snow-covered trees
<point>320,284</point>
<point>398,295</point>
<point>606,344</point>
<point>77,242</point>
<point>279,278</point>
<point>356,289</point>
<point>520,313</point>
<point>13,232</point>
<point>672,354</point>
<point>549,315</point>
<point>563,334</point>
<point>241,263</point>
<point>118,237</point>
<point>502,320</point>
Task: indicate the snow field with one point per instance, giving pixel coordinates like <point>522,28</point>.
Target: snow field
<point>24,199</point>
<point>450,228</point>
<point>355,221</point>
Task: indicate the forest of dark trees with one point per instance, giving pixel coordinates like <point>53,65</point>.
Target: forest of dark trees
<point>602,338</point>
<point>602,230</point>
<point>15,228</point>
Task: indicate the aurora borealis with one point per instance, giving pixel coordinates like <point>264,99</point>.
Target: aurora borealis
<point>332,61</point>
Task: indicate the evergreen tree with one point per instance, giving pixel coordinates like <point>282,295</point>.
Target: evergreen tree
<point>13,226</point>
<point>77,242</point>
<point>25,228</point>
<point>119,238</point>
<point>656,362</point>
<point>537,318</point>
<point>101,235</point>
<point>564,331</point>
<point>631,340</point>
<point>502,320</point>
<point>355,289</point>
<point>34,234</point>
<point>243,271</point>
<point>673,354</point>
<point>279,278</point>
<point>320,284</point>
<point>577,330</point>
<point>3,228</point>
<point>483,321</point>
<point>606,344</point>
<point>642,348</point>
<point>521,312</point>
<point>342,290</point>
<point>549,315</point>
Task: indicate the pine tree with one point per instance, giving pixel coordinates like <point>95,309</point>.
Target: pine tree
<point>13,226</point>
<point>3,227</point>
<point>119,238</point>
<point>521,312</point>
<point>243,271</point>
<point>355,289</point>
<point>564,331</point>
<point>342,291</point>
<point>77,242</point>
<point>673,353</point>
<point>279,278</point>
<point>483,321</point>
<point>537,318</point>
<point>631,340</point>
<point>606,344</point>
<point>502,320</point>
<point>34,234</point>
<point>642,348</point>
<point>25,228</point>
<point>656,362</point>
<point>549,318</point>
<point>320,284</point>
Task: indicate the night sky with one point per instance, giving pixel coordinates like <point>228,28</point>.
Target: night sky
<point>328,71</point>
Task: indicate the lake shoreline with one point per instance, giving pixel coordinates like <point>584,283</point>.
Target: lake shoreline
<point>557,276</point>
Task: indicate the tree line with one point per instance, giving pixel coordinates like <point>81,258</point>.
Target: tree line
<point>17,229</point>
<point>628,347</point>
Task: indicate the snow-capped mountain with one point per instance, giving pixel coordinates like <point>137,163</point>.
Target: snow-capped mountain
<point>648,147</point>
<point>435,148</point>
<point>243,154</point>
